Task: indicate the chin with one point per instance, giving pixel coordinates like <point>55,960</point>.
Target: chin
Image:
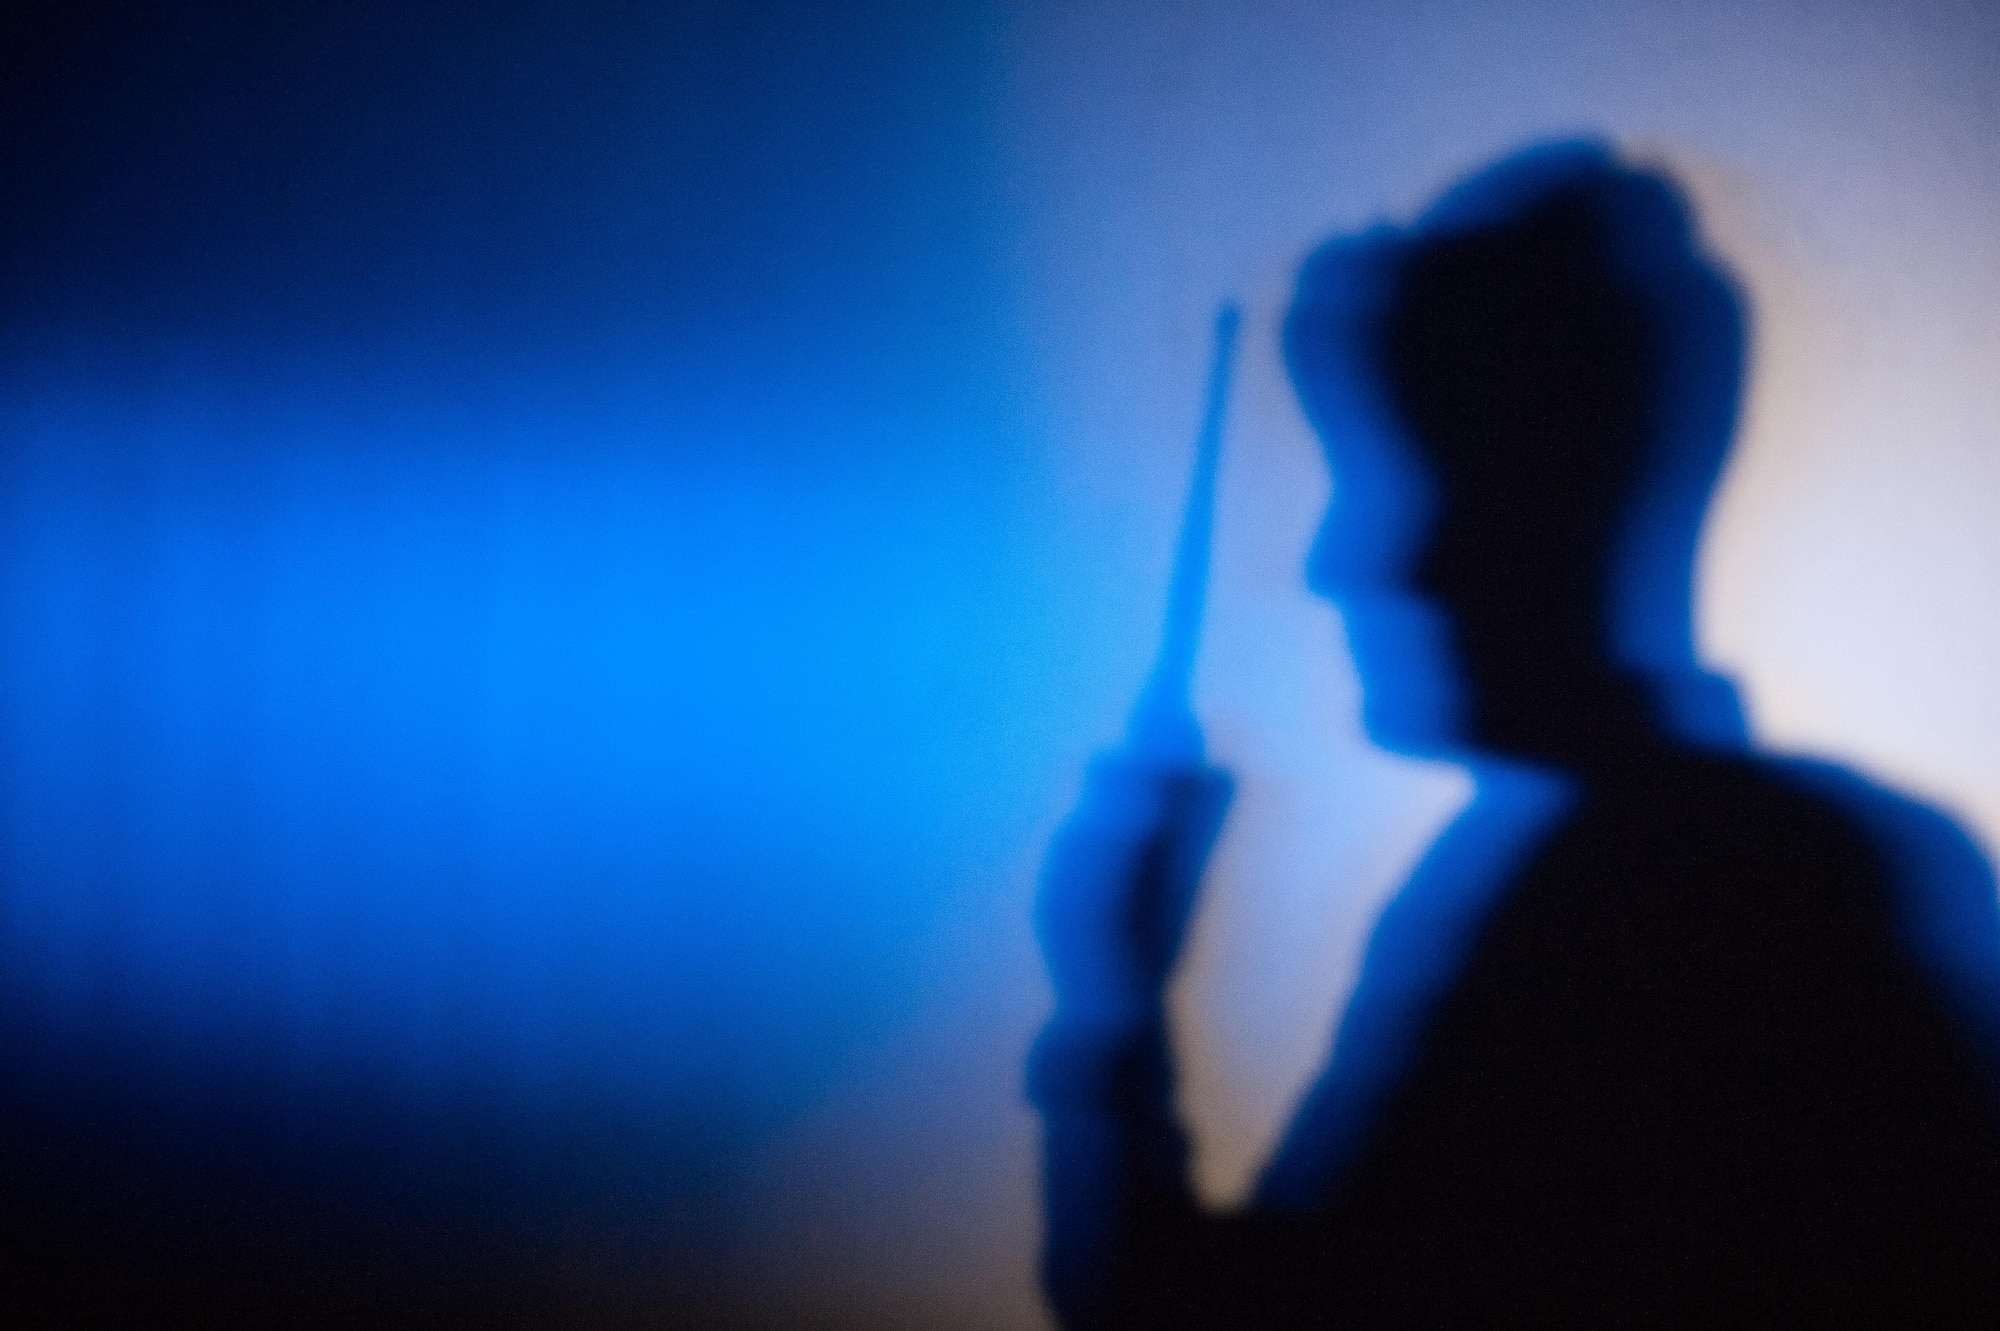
<point>1413,696</point>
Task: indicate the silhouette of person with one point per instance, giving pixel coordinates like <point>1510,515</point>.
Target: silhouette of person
<point>1659,1032</point>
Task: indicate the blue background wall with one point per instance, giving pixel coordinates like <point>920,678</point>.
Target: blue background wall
<point>516,596</point>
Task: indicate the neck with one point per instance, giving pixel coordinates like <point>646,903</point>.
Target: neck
<point>1577,723</point>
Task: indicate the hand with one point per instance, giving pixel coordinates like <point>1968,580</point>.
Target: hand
<point>1119,883</point>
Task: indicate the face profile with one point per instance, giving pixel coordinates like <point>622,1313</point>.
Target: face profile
<point>1525,398</point>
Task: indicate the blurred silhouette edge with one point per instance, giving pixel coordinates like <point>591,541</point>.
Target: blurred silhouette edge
<point>1519,607</point>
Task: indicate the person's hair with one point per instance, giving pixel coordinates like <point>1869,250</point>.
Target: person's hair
<point>1522,362</point>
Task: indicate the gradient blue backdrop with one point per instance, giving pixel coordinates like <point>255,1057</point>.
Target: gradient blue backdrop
<point>516,602</point>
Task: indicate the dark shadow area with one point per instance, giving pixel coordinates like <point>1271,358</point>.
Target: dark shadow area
<point>132,1199</point>
<point>1660,1032</point>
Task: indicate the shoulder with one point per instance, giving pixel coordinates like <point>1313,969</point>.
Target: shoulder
<point>1913,838</point>
<point>1702,811</point>
<point>1942,886</point>
<point>1806,810</point>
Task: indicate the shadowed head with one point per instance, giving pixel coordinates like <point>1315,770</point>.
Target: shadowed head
<point>1526,398</point>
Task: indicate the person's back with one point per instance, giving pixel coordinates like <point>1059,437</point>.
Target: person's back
<point>1660,1033</point>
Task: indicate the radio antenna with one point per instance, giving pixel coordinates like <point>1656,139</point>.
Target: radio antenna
<point>1163,723</point>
